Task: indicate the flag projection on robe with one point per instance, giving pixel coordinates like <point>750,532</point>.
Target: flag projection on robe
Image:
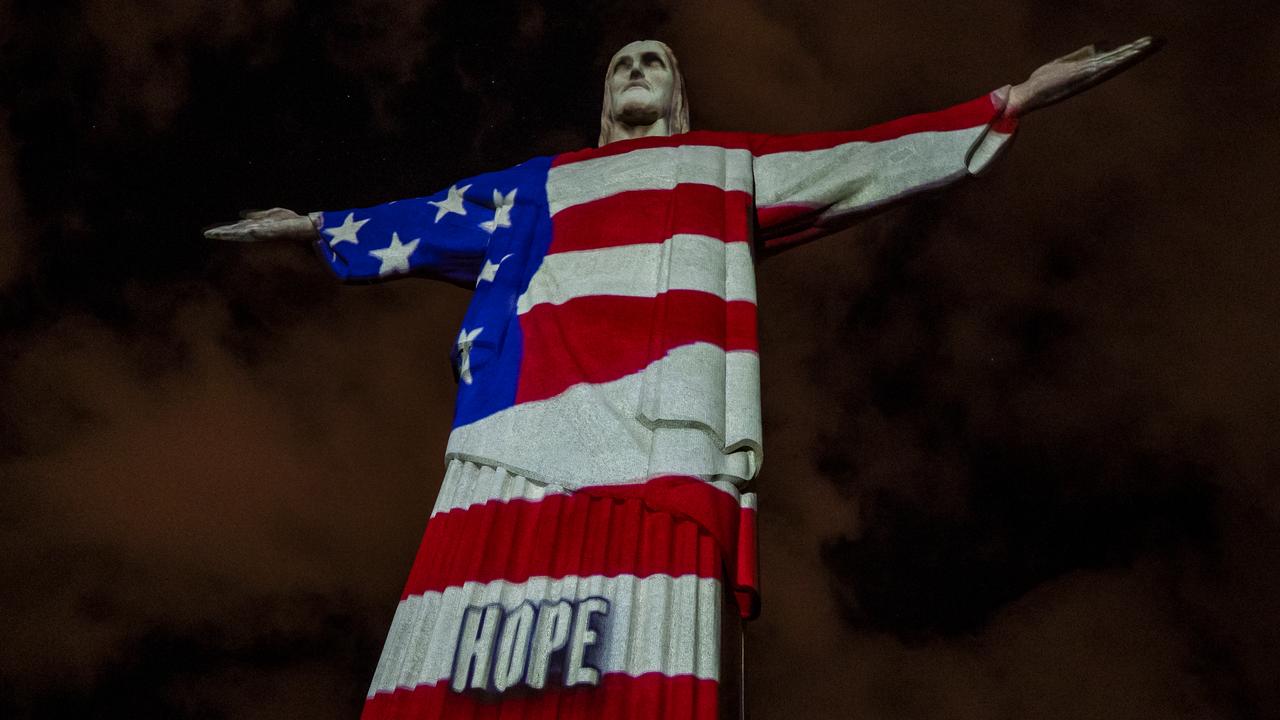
<point>615,290</point>
<point>610,351</point>
<point>529,601</point>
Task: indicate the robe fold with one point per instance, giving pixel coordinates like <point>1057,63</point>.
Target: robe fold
<point>610,351</point>
<point>616,339</point>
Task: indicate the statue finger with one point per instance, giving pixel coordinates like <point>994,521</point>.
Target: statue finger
<point>275,212</point>
<point>1108,65</point>
<point>1083,53</point>
<point>235,232</point>
<point>1127,54</point>
<point>243,231</point>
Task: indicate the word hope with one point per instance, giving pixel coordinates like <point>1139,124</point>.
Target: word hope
<point>499,649</point>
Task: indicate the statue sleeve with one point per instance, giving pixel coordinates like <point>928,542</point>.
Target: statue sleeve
<point>812,184</point>
<point>444,236</point>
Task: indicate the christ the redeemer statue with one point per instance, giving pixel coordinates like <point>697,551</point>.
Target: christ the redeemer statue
<point>592,549</point>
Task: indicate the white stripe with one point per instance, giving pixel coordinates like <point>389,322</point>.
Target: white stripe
<point>637,270</point>
<point>657,624</point>
<point>591,434</point>
<point>861,175</point>
<point>648,169</point>
<point>466,484</point>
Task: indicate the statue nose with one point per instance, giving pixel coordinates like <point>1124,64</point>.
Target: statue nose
<point>637,73</point>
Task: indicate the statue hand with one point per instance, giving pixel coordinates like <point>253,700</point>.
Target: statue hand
<point>273,224</point>
<point>1075,73</point>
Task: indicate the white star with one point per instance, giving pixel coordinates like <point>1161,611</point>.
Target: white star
<point>451,204</point>
<point>465,340</point>
<point>346,232</point>
<point>395,257</point>
<point>501,210</point>
<point>490,270</point>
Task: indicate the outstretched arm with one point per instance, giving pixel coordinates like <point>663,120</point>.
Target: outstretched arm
<point>447,236</point>
<point>403,237</point>
<point>813,184</point>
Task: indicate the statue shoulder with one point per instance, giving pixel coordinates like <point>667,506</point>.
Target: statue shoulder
<point>730,140</point>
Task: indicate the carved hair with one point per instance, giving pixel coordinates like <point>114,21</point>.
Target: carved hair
<point>677,113</point>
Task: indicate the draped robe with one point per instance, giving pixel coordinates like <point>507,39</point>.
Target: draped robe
<point>613,337</point>
<point>608,369</point>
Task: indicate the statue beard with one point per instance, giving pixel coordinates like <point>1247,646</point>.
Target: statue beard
<point>640,114</point>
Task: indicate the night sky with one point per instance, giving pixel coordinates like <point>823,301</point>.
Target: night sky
<point>1020,436</point>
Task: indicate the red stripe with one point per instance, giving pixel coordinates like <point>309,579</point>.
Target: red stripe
<point>600,338</point>
<point>782,226</point>
<point>746,584</point>
<point>718,513</point>
<point>714,510</point>
<point>728,140</point>
<point>775,216</point>
<point>974,113</point>
<point>558,536</point>
<point>653,216</point>
<point>618,697</point>
<point>979,111</point>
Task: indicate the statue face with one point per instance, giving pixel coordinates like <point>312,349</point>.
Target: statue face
<point>640,83</point>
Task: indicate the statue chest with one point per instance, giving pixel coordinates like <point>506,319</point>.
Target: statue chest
<point>644,288</point>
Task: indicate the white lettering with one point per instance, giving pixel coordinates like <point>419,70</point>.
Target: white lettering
<point>475,647</point>
<point>549,636</point>
<point>513,648</point>
<point>576,671</point>
<point>499,649</point>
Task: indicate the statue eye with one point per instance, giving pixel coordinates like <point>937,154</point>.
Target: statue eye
<point>653,60</point>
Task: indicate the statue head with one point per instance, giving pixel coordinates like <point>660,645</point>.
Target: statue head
<point>643,93</point>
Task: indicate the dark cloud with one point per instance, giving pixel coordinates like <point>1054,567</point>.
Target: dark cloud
<point>1036,398</point>
<point>13,237</point>
<point>146,51</point>
<point>212,490</point>
<point>170,495</point>
<point>1019,457</point>
<point>383,42</point>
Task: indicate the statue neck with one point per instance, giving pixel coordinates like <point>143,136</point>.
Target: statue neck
<point>659,128</point>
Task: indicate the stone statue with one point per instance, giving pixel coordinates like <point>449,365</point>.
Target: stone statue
<point>591,552</point>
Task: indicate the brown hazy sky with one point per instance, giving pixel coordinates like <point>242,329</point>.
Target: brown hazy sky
<point>1019,436</point>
